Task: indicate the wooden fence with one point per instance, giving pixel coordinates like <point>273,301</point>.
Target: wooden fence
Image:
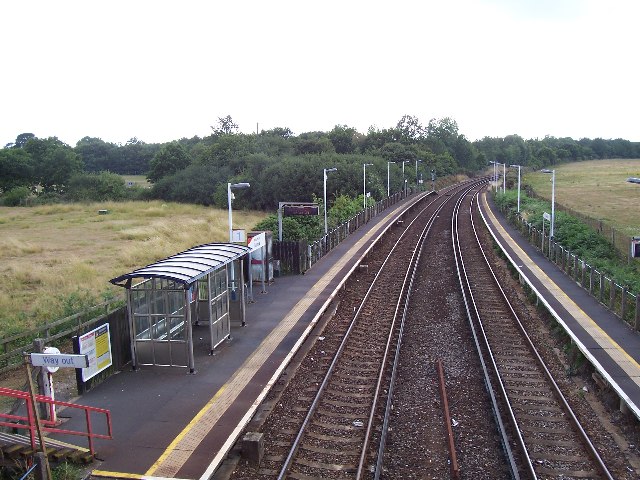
<point>14,346</point>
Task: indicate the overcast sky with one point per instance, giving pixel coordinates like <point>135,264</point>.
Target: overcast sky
<point>162,70</point>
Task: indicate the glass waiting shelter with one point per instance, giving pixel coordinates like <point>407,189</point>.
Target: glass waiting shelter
<point>166,298</point>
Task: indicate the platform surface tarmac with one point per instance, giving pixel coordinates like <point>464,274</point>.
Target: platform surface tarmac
<point>169,424</point>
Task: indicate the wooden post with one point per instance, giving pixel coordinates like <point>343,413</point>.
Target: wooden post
<point>38,347</point>
<point>36,414</point>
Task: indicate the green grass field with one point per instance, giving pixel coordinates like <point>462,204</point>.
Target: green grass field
<point>137,180</point>
<point>596,188</point>
<point>56,256</point>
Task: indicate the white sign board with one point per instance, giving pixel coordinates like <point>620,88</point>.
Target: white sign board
<point>258,241</point>
<point>238,236</point>
<point>96,345</point>
<point>546,216</point>
<point>59,360</point>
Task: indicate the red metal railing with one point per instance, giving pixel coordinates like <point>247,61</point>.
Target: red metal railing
<point>28,422</point>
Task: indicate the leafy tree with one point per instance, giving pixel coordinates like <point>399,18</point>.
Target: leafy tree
<point>171,158</point>
<point>410,129</point>
<point>194,184</point>
<point>21,140</point>
<point>227,150</point>
<point>343,139</point>
<point>313,143</point>
<point>95,153</point>
<point>225,126</point>
<point>283,132</point>
<point>376,139</point>
<point>16,169</point>
<point>54,162</point>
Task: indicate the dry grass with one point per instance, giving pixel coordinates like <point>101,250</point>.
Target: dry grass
<point>51,253</point>
<point>598,189</point>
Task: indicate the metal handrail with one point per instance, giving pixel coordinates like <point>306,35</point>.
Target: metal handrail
<point>28,422</point>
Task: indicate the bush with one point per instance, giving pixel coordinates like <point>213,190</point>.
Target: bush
<point>92,187</point>
<point>16,196</point>
<point>294,228</point>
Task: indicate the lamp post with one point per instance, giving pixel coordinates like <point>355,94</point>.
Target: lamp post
<point>325,196</point>
<point>519,166</point>
<point>388,189</point>
<point>234,186</point>
<point>404,181</point>
<point>417,173</point>
<point>364,183</point>
<point>495,178</point>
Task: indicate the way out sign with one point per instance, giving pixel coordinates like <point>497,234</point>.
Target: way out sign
<point>60,360</point>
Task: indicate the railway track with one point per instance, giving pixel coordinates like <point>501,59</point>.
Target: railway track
<point>541,434</point>
<point>335,427</point>
<point>335,436</point>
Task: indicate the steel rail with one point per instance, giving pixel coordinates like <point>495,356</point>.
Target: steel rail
<point>455,469</point>
<point>405,293</point>
<point>462,279</point>
<point>591,450</point>
<point>293,451</point>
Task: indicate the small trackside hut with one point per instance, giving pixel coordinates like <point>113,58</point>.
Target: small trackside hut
<point>198,286</point>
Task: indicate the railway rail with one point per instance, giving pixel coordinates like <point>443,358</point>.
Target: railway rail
<point>336,433</point>
<point>542,436</point>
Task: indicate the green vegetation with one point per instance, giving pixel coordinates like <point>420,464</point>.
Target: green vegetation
<point>280,165</point>
<point>597,189</point>
<point>576,236</point>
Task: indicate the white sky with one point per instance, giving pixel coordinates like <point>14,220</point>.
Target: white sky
<point>161,70</point>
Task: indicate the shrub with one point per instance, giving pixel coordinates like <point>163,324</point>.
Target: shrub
<point>16,196</point>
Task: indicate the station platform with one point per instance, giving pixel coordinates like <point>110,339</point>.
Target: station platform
<point>604,339</point>
<point>171,424</point>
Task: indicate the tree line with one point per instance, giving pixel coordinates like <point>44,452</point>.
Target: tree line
<point>280,165</point>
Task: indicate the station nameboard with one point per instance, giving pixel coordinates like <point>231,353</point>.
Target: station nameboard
<point>309,209</point>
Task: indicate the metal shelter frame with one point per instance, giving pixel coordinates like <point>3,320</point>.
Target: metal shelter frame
<point>160,298</point>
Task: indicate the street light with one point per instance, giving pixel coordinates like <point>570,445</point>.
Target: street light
<point>364,183</point>
<point>519,166</point>
<point>417,173</point>
<point>234,186</point>
<point>504,175</point>
<point>325,196</point>
<point>403,179</point>
<point>388,189</point>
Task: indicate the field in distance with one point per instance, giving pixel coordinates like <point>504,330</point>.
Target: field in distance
<point>136,180</point>
<point>55,256</point>
<point>596,188</point>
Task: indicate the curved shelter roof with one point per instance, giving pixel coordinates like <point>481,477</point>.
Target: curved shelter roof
<point>188,266</point>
